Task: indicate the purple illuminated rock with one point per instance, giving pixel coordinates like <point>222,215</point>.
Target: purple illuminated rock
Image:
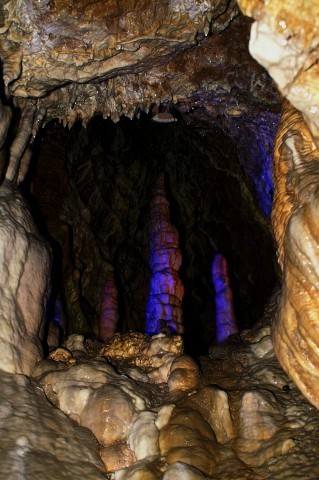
<point>164,306</point>
<point>225,317</point>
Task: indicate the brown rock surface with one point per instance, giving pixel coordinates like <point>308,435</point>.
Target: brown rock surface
<point>48,44</point>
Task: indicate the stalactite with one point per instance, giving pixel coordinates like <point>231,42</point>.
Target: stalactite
<point>5,119</point>
<point>109,308</point>
<point>226,323</point>
<point>164,306</point>
<point>20,142</point>
<point>27,154</point>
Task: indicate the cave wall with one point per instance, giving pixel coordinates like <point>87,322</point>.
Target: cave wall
<point>103,183</point>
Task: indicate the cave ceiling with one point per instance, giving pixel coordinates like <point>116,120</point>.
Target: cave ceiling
<point>121,57</point>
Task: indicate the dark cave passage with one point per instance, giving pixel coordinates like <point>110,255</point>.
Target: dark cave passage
<point>94,188</point>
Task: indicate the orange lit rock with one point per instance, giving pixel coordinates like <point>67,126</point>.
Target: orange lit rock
<point>295,220</point>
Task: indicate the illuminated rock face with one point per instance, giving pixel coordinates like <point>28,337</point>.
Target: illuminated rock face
<point>24,283</point>
<point>164,306</point>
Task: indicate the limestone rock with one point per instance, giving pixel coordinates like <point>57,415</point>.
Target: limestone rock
<point>295,330</point>
<point>24,284</point>
<point>284,39</point>
<point>189,439</point>
<point>184,374</point>
<point>184,471</point>
<point>232,426</point>
<point>258,425</point>
<point>116,457</point>
<point>143,437</point>
<point>108,414</point>
<point>213,404</point>
<point>148,358</point>
<point>113,39</point>
<point>39,441</point>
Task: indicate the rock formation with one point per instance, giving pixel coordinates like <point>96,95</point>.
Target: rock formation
<point>148,410</point>
<point>24,285</point>
<point>294,68</point>
<point>226,323</point>
<point>150,422</point>
<point>164,304</point>
<point>109,308</point>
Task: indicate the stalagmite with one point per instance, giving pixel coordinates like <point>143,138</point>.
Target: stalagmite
<point>226,323</point>
<point>164,306</point>
<point>284,39</point>
<point>109,309</point>
<point>24,283</point>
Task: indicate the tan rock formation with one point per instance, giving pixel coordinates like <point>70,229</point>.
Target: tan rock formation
<point>295,331</point>
<point>117,457</point>
<point>149,358</point>
<point>189,439</point>
<point>24,284</point>
<point>247,425</point>
<point>38,440</point>
<point>284,39</point>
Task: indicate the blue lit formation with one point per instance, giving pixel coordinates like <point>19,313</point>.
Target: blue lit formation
<point>255,140</point>
<point>164,304</point>
<point>225,318</point>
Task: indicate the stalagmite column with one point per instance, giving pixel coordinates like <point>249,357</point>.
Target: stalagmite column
<point>109,308</point>
<point>25,258</point>
<point>164,306</point>
<point>24,283</point>
<point>296,226</point>
<point>225,318</point>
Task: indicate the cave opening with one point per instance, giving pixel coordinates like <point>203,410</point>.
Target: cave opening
<point>94,187</point>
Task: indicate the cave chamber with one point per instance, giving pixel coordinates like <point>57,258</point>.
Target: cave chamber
<point>98,221</point>
<point>158,240</point>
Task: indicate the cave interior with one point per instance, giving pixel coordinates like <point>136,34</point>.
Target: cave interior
<point>151,278</point>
